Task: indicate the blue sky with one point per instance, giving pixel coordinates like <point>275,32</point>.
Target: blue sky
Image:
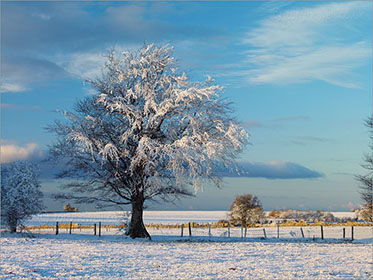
<point>299,73</point>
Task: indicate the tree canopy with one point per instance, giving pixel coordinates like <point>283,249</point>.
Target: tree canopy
<point>20,193</point>
<point>148,132</point>
<point>246,209</point>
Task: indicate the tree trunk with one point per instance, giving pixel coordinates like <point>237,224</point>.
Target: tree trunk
<point>13,228</point>
<point>12,222</point>
<point>136,227</point>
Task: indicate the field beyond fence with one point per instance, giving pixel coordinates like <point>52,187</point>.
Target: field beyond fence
<point>345,232</point>
<point>184,224</point>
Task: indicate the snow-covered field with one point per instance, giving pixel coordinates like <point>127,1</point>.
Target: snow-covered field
<point>115,257</point>
<point>218,255</point>
<point>117,217</point>
<point>155,217</point>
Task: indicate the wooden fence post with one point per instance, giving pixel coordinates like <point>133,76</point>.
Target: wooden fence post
<point>245,231</point>
<point>229,230</point>
<point>71,225</point>
<point>241,231</point>
<point>56,228</point>
<point>301,231</point>
<point>344,233</point>
<point>182,230</point>
<point>190,229</point>
<point>322,232</point>
<point>278,230</point>
<point>94,229</point>
<point>264,231</point>
<point>209,230</point>
<point>99,229</point>
<point>352,233</point>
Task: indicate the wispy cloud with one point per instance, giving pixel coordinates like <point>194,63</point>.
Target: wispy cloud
<point>252,124</point>
<point>307,44</point>
<point>89,64</point>
<point>313,139</point>
<point>14,107</point>
<point>271,170</point>
<point>278,122</point>
<point>12,86</point>
<point>44,42</point>
<point>83,65</point>
<point>292,118</point>
<point>305,140</point>
<point>21,72</point>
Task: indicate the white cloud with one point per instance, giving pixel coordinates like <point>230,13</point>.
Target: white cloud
<point>11,153</point>
<point>89,64</point>
<point>300,27</point>
<point>83,65</point>
<point>309,44</point>
<point>12,87</point>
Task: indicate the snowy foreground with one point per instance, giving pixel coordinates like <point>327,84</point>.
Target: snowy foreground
<point>204,255</point>
<point>82,256</point>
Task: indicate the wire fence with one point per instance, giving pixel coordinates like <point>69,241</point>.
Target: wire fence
<point>211,230</point>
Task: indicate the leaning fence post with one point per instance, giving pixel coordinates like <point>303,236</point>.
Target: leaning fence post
<point>264,231</point>
<point>209,230</point>
<point>56,228</point>
<point>71,225</point>
<point>245,231</point>
<point>99,228</point>
<point>344,233</point>
<point>182,230</point>
<point>301,231</point>
<point>229,230</point>
<point>322,232</point>
<point>94,229</point>
<point>352,233</point>
<point>190,229</point>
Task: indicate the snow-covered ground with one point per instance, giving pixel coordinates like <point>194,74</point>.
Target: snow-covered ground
<point>80,256</point>
<point>204,255</point>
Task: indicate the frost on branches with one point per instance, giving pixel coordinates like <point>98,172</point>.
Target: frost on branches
<point>147,133</point>
<point>20,194</point>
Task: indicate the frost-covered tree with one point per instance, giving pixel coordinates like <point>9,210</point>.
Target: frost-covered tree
<point>366,180</point>
<point>69,208</point>
<point>148,132</point>
<point>246,209</point>
<point>20,194</point>
<point>365,213</point>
